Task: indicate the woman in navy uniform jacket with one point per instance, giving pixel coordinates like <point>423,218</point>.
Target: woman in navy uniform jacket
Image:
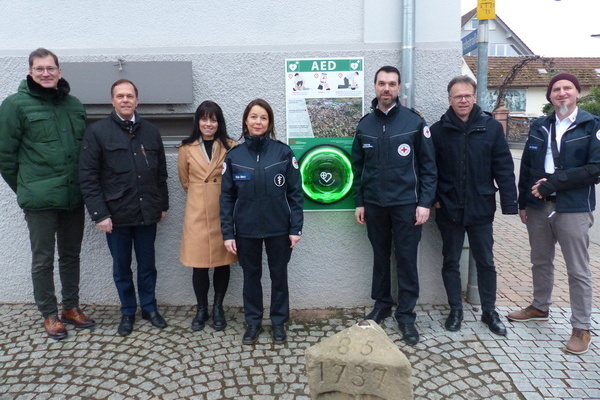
<point>261,201</point>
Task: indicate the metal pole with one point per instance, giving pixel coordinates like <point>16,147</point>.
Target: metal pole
<point>482,70</point>
<point>408,47</point>
<point>482,62</point>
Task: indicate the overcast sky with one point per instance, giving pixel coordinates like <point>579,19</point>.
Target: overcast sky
<point>551,28</point>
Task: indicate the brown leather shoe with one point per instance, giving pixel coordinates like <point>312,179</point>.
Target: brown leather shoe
<point>579,342</point>
<point>77,318</point>
<point>528,314</point>
<point>54,328</point>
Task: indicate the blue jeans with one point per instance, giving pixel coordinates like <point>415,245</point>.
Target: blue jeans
<point>120,243</point>
<point>481,243</point>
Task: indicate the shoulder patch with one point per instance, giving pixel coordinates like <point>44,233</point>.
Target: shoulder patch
<point>426,132</point>
<point>224,168</point>
<point>598,134</point>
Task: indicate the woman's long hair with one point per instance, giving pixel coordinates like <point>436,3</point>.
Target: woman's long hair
<point>261,103</point>
<point>209,109</point>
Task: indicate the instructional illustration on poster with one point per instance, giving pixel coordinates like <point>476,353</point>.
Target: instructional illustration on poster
<point>324,97</point>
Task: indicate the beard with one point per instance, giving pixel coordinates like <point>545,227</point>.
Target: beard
<point>562,109</point>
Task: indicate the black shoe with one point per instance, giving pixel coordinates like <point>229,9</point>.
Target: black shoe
<point>279,336</point>
<point>155,319</point>
<point>409,333</point>
<point>454,319</point>
<point>219,321</point>
<point>251,335</point>
<point>379,314</point>
<point>492,320</point>
<point>126,325</point>
<point>199,321</point>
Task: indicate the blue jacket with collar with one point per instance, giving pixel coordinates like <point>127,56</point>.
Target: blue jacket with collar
<point>393,159</point>
<point>261,193</point>
<point>579,158</point>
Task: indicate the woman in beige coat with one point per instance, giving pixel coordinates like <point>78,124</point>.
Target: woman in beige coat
<point>200,164</point>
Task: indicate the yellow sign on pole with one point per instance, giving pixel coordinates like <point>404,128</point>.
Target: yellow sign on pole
<point>486,9</point>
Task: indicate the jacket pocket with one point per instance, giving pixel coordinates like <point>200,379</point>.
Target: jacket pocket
<point>117,158</point>
<point>42,127</point>
<point>486,190</point>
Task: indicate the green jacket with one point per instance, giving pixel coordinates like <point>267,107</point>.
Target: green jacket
<point>40,138</point>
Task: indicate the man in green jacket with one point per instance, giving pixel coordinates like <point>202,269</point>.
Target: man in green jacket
<point>41,128</point>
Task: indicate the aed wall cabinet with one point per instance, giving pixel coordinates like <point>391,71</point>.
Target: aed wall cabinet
<point>326,170</point>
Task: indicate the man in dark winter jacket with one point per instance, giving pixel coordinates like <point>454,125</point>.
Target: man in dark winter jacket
<point>394,168</point>
<point>559,168</point>
<point>471,154</point>
<point>123,178</point>
<point>41,127</point>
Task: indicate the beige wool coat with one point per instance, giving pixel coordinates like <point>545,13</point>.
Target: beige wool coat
<point>202,242</point>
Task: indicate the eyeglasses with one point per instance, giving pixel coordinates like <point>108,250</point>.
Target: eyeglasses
<point>467,97</point>
<point>40,70</point>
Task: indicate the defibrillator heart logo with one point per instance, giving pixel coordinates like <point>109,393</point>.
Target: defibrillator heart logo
<point>293,67</point>
<point>326,176</point>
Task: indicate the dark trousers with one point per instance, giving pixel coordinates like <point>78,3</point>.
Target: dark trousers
<point>250,258</point>
<point>396,223</point>
<point>201,282</point>
<point>120,243</point>
<point>481,242</point>
<point>65,230</point>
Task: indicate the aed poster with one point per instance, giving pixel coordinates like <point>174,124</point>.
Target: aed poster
<point>324,103</point>
<point>324,97</point>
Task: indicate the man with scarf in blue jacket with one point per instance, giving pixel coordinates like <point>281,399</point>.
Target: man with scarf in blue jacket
<point>471,154</point>
<point>394,169</point>
<point>559,168</point>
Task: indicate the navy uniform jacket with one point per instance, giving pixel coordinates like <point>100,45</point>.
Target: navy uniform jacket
<point>580,162</point>
<point>393,159</point>
<point>261,193</point>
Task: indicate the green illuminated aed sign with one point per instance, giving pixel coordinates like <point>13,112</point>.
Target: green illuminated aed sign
<point>326,174</point>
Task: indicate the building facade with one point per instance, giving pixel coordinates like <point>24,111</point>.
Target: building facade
<point>236,51</point>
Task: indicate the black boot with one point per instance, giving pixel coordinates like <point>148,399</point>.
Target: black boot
<point>219,320</point>
<point>199,321</point>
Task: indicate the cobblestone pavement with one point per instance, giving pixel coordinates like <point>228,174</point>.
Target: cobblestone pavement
<point>176,363</point>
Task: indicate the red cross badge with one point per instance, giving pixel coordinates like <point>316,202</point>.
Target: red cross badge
<point>404,149</point>
<point>426,132</point>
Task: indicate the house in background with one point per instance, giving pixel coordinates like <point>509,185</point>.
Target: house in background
<point>503,42</point>
<point>525,96</point>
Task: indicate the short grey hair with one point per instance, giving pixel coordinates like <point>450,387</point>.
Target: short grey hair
<point>462,79</point>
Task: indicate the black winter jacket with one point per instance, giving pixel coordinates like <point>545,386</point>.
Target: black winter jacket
<point>469,161</point>
<point>393,159</point>
<point>580,159</point>
<point>123,172</point>
<point>260,191</point>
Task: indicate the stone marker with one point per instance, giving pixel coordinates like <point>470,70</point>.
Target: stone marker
<point>358,363</point>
